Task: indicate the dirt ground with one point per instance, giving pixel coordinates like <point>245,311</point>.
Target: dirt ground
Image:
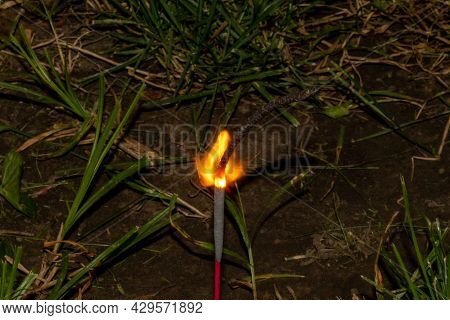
<point>329,238</point>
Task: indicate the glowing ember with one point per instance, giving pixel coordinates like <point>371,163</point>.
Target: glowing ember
<point>208,163</point>
<point>220,182</point>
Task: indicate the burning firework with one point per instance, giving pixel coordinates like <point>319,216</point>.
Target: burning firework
<point>212,173</point>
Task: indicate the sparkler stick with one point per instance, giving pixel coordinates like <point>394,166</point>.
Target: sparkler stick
<point>217,169</point>
<point>210,175</point>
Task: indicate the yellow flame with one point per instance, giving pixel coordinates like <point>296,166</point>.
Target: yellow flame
<point>220,182</point>
<point>208,163</point>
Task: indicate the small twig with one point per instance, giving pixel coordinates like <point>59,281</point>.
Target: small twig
<point>181,202</point>
<point>131,71</point>
<point>377,271</point>
<point>4,232</point>
<point>20,266</point>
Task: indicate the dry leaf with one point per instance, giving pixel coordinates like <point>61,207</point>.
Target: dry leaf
<point>10,4</point>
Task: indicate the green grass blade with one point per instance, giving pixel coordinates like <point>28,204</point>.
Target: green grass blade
<point>112,183</point>
<point>129,240</point>
<point>405,272</point>
<point>13,274</point>
<point>422,263</point>
<point>10,186</point>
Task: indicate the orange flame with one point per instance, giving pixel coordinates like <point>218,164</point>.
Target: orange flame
<point>208,163</point>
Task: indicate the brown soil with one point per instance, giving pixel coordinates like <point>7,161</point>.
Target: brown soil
<point>169,268</point>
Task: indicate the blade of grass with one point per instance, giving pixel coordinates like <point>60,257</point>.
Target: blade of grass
<point>412,234</point>
<point>121,246</point>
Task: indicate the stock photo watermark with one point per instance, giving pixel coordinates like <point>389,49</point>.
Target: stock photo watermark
<point>273,148</point>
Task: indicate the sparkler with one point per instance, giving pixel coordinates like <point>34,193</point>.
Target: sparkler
<point>213,173</point>
<point>218,168</point>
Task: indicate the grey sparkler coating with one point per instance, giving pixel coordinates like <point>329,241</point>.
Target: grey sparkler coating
<point>219,202</point>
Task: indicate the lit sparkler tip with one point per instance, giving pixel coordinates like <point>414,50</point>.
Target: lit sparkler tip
<point>207,165</point>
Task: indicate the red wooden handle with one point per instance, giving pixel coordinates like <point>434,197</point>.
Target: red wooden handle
<point>216,280</point>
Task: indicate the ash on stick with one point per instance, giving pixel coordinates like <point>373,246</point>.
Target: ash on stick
<point>258,116</point>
